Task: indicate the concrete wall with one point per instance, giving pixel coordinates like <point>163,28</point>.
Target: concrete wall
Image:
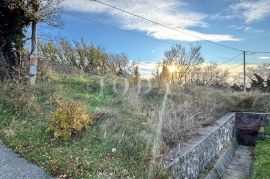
<point>252,121</point>
<point>247,118</point>
<point>191,159</point>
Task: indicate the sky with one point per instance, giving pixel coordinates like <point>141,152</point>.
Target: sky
<point>241,24</point>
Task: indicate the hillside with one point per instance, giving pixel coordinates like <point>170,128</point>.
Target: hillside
<point>121,140</point>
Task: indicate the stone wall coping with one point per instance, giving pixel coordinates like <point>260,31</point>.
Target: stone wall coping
<point>256,113</point>
<point>182,149</point>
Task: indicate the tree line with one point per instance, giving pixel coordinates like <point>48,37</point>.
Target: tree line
<point>188,64</point>
<point>189,67</point>
<point>88,58</point>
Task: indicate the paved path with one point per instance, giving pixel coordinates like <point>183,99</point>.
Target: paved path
<point>239,167</point>
<point>14,167</point>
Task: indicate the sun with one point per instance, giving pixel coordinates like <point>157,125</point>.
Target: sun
<point>172,68</point>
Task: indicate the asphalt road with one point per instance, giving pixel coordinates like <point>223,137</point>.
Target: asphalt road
<point>14,167</point>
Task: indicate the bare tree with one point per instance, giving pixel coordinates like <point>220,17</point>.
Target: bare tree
<point>210,75</point>
<point>263,70</point>
<point>183,60</point>
<point>260,77</point>
<point>46,11</point>
<point>134,74</point>
<point>119,64</point>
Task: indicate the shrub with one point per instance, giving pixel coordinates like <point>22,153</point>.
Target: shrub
<point>18,94</point>
<point>69,118</point>
<point>22,98</point>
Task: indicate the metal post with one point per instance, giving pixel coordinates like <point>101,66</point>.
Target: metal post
<point>33,56</point>
<point>245,86</point>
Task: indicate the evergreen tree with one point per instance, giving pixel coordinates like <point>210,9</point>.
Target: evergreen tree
<point>13,23</point>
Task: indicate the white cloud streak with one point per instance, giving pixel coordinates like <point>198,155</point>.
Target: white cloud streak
<point>253,11</point>
<point>246,29</point>
<point>147,68</point>
<point>173,13</point>
<point>264,58</point>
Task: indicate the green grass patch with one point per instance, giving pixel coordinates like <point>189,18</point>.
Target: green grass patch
<point>87,89</point>
<point>86,156</point>
<point>262,159</point>
<point>116,146</point>
<point>267,129</point>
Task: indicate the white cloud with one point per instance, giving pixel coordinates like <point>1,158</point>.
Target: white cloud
<point>173,13</point>
<point>246,29</point>
<point>264,58</point>
<point>147,68</point>
<point>253,11</point>
<point>222,16</point>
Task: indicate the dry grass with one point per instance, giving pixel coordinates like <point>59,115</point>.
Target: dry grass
<point>190,107</point>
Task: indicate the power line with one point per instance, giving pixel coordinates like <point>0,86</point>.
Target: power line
<point>133,33</point>
<point>235,66</point>
<point>254,52</point>
<point>114,27</point>
<point>209,41</point>
<point>231,59</point>
<point>168,27</point>
<point>172,28</point>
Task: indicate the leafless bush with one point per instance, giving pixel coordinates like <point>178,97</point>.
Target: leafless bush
<point>184,116</point>
<point>179,123</point>
<point>188,108</point>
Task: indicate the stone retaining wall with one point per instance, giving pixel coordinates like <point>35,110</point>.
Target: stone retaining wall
<point>247,118</point>
<point>213,148</point>
<point>192,158</point>
<point>219,168</point>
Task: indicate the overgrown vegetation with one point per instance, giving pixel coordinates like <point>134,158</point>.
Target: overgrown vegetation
<point>111,147</point>
<point>119,141</point>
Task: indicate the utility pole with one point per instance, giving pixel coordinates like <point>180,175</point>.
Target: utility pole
<point>245,85</point>
<point>33,56</point>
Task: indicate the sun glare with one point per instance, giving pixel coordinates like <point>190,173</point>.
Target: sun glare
<point>172,68</point>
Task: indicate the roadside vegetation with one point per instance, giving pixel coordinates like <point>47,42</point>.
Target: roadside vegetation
<point>117,138</point>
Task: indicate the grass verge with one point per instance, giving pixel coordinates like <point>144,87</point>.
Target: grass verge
<point>116,146</point>
<point>262,159</point>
